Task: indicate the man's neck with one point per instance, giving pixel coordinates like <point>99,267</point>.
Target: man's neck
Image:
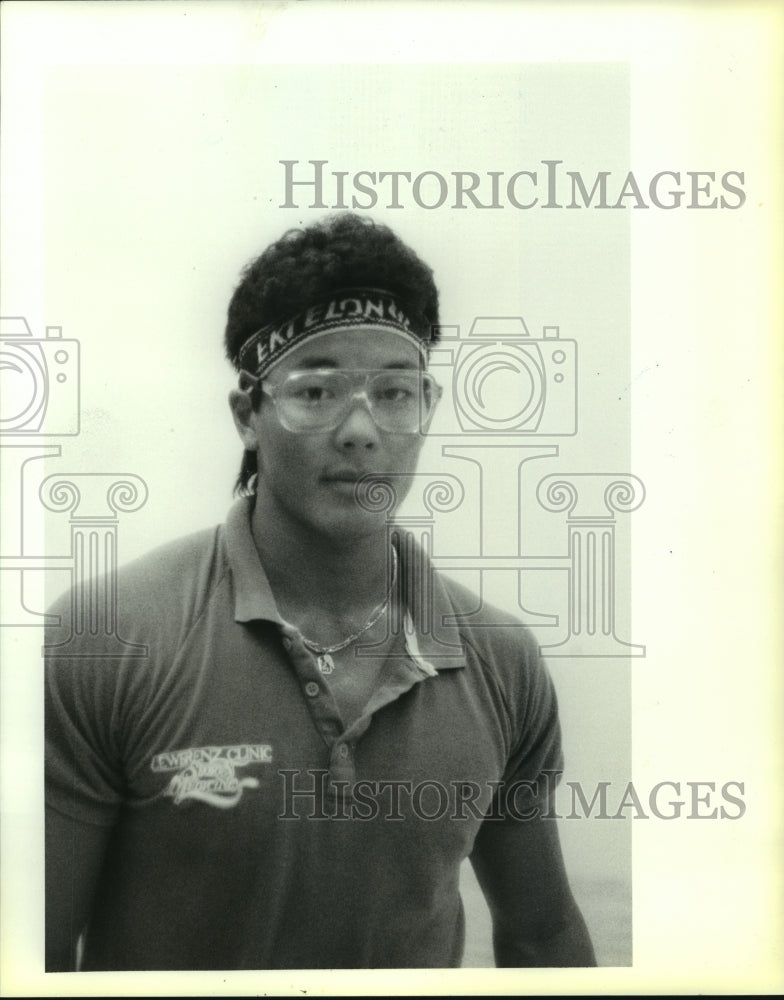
<point>319,579</point>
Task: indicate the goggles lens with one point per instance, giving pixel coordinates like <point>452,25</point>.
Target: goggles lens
<point>400,401</point>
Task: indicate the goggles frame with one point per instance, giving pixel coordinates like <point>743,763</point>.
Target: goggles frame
<point>361,379</point>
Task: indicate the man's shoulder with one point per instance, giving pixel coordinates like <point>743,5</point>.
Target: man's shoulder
<point>181,561</point>
<point>494,633</point>
<point>501,651</point>
<point>160,590</point>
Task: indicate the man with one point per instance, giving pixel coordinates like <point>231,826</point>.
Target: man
<point>294,773</point>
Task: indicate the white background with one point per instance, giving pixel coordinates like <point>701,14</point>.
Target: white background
<point>705,367</point>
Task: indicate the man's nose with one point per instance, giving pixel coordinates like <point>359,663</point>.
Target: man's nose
<point>358,428</point>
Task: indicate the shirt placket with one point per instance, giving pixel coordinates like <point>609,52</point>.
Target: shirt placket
<point>400,673</point>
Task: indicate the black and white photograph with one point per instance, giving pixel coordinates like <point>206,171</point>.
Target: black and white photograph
<point>391,437</point>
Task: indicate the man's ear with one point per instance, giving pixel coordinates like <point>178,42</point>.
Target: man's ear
<point>243,413</point>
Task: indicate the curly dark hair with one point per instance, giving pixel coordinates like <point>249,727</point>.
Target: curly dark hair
<point>307,265</point>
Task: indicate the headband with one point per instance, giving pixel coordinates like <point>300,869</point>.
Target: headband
<point>369,308</point>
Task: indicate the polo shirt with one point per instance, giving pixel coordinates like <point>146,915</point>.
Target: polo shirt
<point>248,827</point>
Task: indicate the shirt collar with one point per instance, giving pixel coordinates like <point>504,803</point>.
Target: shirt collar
<point>253,599</point>
<point>431,633</point>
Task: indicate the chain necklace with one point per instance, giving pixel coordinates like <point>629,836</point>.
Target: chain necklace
<point>325,662</point>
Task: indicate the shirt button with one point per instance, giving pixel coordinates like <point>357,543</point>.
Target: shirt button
<point>312,689</point>
<point>343,751</point>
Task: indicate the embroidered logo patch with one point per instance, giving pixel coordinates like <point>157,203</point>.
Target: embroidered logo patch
<point>209,774</point>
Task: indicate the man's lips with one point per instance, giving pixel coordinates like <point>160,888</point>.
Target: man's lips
<point>345,476</point>
<point>373,491</point>
<point>360,483</point>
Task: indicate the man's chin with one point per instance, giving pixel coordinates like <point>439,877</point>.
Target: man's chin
<point>347,521</point>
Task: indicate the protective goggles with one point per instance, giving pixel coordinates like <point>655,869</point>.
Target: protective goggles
<point>400,400</point>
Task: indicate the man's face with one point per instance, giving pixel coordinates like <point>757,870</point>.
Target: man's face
<point>308,480</point>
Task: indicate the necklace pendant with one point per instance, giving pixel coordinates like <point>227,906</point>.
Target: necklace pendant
<point>325,663</point>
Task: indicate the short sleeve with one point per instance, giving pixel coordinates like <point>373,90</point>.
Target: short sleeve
<point>535,764</point>
<point>83,768</point>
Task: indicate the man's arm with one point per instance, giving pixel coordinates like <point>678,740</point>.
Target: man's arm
<point>74,857</point>
<point>536,922</point>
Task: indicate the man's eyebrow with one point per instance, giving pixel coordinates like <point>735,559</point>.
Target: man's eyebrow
<point>318,363</point>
